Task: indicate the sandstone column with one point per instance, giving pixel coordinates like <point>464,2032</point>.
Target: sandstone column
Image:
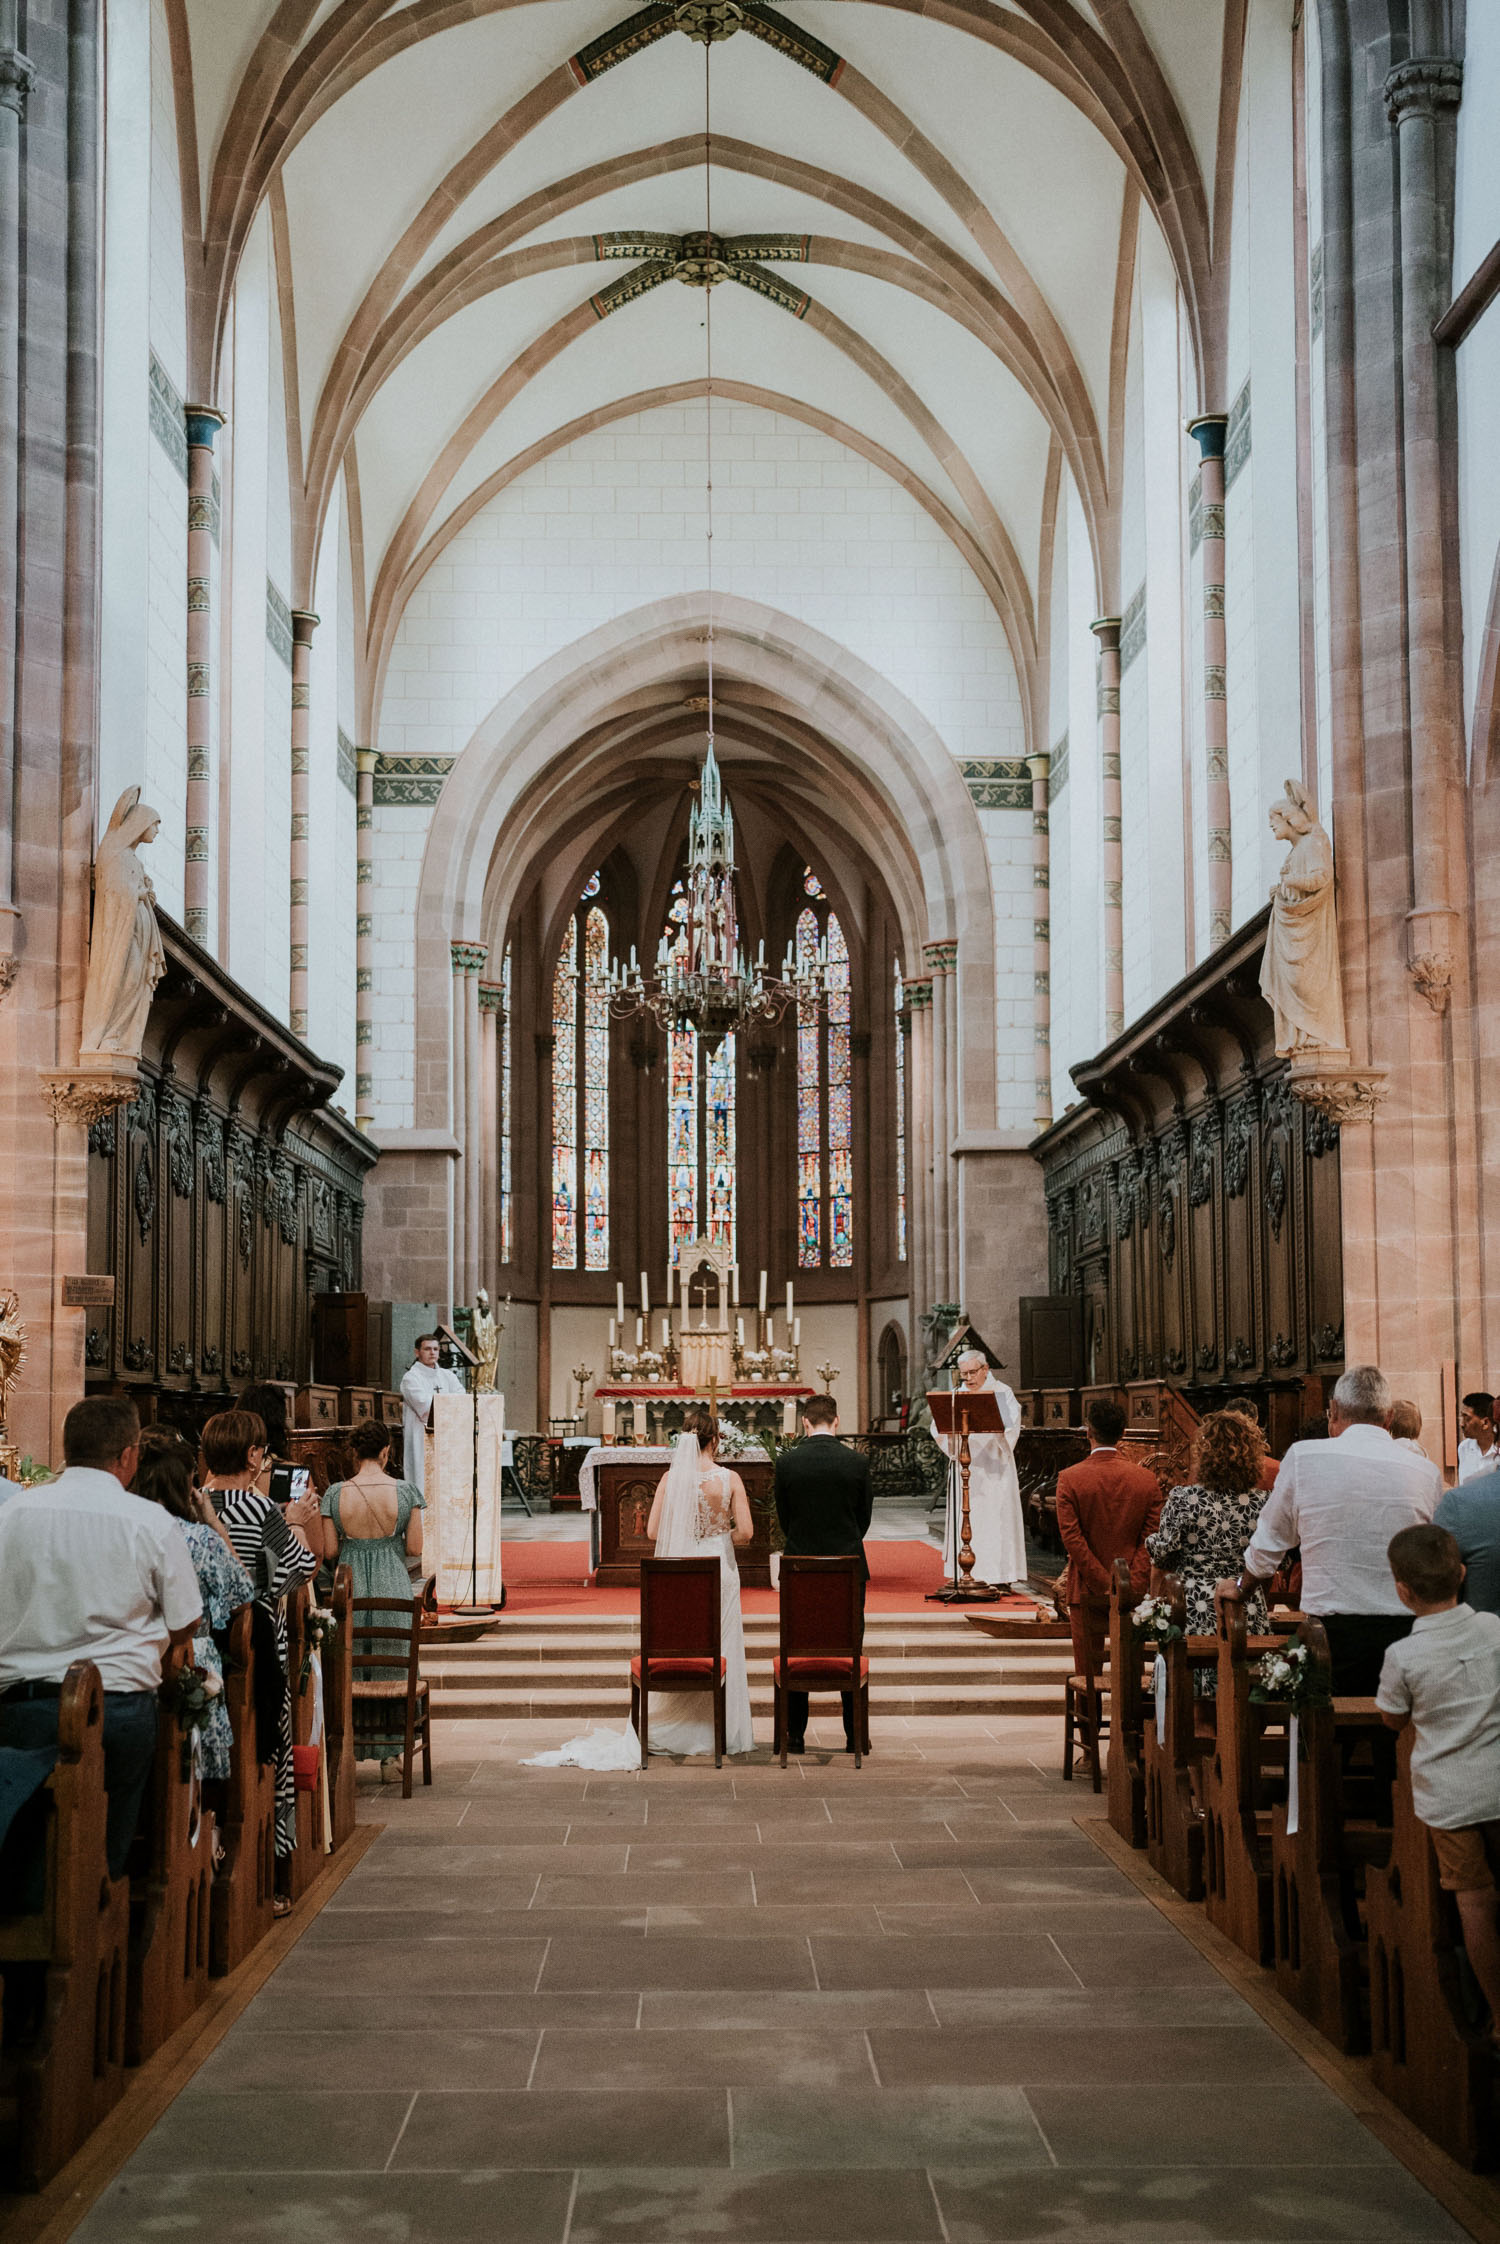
<point>203,425</point>
<point>473,1169</point>
<point>1209,430</point>
<point>458,1109</point>
<point>491,1020</point>
<point>1416,94</point>
<point>919,1150</point>
<point>1112,870</point>
<point>934,957</point>
<point>16,80</point>
<point>364,936</point>
<point>304,623</point>
<point>1040,768</point>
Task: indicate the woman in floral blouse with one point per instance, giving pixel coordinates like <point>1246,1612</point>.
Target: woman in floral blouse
<point>165,1476</point>
<point>1206,1525</point>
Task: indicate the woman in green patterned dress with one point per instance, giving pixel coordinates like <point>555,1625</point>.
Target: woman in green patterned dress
<point>373,1525</point>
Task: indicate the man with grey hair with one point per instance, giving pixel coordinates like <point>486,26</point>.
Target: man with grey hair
<point>1340,1501</point>
<point>996,1526</point>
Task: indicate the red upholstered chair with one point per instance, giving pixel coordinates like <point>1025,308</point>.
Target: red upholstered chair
<point>680,1617</point>
<point>822,1640</point>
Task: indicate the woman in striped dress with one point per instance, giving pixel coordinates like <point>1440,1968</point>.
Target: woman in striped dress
<point>273,1547</point>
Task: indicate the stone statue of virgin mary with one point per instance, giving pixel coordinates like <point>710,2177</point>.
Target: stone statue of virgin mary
<point>1299,975</point>
<point>126,959</point>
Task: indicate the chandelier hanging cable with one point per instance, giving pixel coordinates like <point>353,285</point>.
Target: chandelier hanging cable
<point>702,979</point>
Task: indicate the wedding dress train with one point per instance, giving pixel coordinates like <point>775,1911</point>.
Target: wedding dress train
<point>696,1522</point>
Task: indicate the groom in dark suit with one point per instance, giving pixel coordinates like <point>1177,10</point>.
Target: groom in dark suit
<point>824,1502</point>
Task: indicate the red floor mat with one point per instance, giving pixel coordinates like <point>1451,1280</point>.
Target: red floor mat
<point>547,1577</point>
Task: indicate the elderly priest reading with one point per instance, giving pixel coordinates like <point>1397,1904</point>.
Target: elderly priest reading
<point>425,1378</point>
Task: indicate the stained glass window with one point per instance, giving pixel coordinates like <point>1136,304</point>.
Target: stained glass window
<point>507,1187</point>
<point>900,1116</point>
<point>580,1091</point>
<point>701,1195</point>
<point>825,1091</point>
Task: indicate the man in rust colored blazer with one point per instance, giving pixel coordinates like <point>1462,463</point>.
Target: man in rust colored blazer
<point>1106,1507</point>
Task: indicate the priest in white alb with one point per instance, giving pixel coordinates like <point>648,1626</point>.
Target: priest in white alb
<point>424,1379</point>
<point>995,1525</point>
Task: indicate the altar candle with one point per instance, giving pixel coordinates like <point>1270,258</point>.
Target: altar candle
<point>796,1332</point>
<point>611,1332</point>
<point>620,1299</point>
<point>739,1330</point>
<point>666,1334</point>
<point>789,1417</point>
<point>608,1412</point>
<point>640,1330</point>
<point>645,1296</point>
<point>789,1301</point>
<point>762,1293</point>
<point>771,1330</point>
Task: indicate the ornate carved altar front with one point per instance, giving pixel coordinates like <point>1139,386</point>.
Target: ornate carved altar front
<point>624,1494</point>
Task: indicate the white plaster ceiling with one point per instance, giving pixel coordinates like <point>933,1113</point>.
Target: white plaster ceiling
<point>1004,182</point>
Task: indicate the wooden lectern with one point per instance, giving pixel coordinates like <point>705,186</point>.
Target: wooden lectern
<point>961,1412</point>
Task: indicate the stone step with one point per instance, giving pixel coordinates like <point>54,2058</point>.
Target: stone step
<point>757,1642</point>
<point>957,1675</point>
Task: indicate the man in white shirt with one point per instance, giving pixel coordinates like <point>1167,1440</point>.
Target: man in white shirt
<point>424,1379</point>
<point>90,1572</point>
<point>1476,1423</point>
<point>1340,1501</point>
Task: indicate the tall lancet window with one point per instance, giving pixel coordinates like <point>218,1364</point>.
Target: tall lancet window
<point>900,1115</point>
<point>825,1092</point>
<point>700,1125</point>
<point>580,1090</point>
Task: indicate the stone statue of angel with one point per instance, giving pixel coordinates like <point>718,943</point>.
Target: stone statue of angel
<point>126,959</point>
<point>1299,974</point>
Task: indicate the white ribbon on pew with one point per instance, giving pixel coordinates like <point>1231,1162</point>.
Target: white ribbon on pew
<point>317,1720</point>
<point>1292,1802</point>
<point>1159,1684</point>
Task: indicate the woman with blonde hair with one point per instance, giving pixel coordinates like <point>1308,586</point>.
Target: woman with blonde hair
<point>1206,1524</point>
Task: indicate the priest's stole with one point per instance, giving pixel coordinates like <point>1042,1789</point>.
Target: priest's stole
<point>462,1540</point>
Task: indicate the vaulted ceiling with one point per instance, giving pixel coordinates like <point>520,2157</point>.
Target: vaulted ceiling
<point>921,209</point>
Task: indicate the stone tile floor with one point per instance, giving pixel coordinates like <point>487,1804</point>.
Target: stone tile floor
<point>906,2005</point>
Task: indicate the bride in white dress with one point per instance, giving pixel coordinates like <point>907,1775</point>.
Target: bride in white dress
<point>700,1510</point>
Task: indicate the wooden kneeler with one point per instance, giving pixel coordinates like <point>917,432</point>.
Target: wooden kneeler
<point>63,2065</point>
<point>245,1888</point>
<point>1427,2054</point>
<point>171,1887</point>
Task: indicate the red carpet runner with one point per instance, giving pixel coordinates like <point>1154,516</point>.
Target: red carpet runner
<point>545,1577</point>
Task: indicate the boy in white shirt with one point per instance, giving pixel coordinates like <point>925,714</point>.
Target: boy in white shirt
<point>1444,1678</point>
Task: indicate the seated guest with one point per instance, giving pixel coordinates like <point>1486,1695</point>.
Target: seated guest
<point>1268,1465</point>
<point>1205,1525</point>
<point>90,1572</point>
<point>1476,1424</point>
<point>1106,1507</point>
<point>267,1402</point>
<point>165,1476</point>
<point>1340,1501</point>
<point>1445,1680</point>
<point>373,1525</point>
<point>1406,1427</point>
<point>276,1560</point>
<point>1471,1515</point>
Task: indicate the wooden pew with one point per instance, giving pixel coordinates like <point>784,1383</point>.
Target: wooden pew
<point>1426,2054</point>
<point>171,1887</point>
<point>64,1968</point>
<point>308,1858</point>
<point>1174,1813</point>
<point>1238,1779</point>
<point>1319,1872</point>
<point>1125,1773</point>
<point>338,1712</point>
<point>244,1890</point>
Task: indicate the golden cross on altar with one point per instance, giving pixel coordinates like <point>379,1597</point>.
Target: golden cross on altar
<point>713,1393</point>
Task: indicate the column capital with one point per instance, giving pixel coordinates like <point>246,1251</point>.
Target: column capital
<point>203,425</point>
<point>304,624</point>
<point>364,761</point>
<point>468,958</point>
<point>1423,86</point>
<point>1040,765</point>
<point>940,958</point>
<point>17,77</point>
<point>918,993</point>
<point>491,998</point>
<point>1209,429</point>
<point>1106,630</point>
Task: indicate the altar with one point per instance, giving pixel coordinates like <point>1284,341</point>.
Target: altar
<point>617,1487</point>
<point>705,1354</point>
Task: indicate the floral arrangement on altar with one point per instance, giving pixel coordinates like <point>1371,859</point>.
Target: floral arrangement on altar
<point>1289,1677</point>
<point>1153,1623</point>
